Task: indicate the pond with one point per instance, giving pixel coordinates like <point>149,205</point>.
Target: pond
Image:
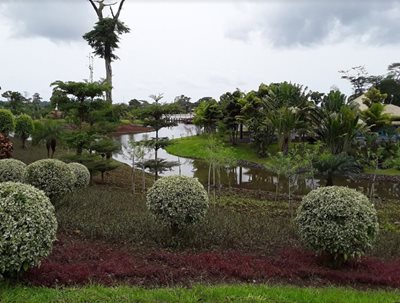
<point>242,176</point>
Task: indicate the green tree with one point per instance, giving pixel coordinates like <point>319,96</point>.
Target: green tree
<point>105,37</point>
<point>7,122</point>
<point>183,102</point>
<point>79,96</point>
<point>254,116</point>
<point>207,114</point>
<point>288,106</point>
<point>374,116</point>
<point>16,101</point>
<point>24,128</point>
<point>336,122</point>
<point>231,106</point>
<point>358,78</point>
<point>391,88</point>
<point>288,166</point>
<point>48,132</point>
<point>330,165</point>
<point>158,116</point>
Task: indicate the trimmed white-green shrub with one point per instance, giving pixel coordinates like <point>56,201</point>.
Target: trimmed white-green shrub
<point>82,174</point>
<point>12,170</point>
<point>177,202</point>
<point>28,226</point>
<point>52,176</point>
<point>338,222</point>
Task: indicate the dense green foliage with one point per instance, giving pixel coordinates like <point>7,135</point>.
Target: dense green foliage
<point>23,127</point>
<point>337,221</point>
<point>12,170</point>
<point>7,123</point>
<point>28,227</point>
<point>52,176</point>
<point>177,201</point>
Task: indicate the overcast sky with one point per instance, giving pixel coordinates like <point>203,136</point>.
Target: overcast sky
<point>199,48</point>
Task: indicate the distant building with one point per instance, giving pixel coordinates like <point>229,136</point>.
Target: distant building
<point>392,110</point>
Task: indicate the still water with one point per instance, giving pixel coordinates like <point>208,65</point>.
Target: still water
<point>241,176</point>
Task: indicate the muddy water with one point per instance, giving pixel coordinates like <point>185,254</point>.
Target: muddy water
<point>242,176</point>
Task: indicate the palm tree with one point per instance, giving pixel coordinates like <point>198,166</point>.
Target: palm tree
<point>287,105</point>
<point>329,165</point>
<point>336,122</point>
<point>374,116</point>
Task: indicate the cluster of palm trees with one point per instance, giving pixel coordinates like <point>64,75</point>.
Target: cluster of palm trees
<point>281,112</point>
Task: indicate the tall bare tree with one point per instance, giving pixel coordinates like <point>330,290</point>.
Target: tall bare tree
<point>105,36</point>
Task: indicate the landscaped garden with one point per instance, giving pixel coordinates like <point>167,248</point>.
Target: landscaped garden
<point>253,212</point>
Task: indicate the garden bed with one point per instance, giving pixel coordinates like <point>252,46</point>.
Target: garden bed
<point>106,235</point>
<point>76,261</point>
<point>131,129</point>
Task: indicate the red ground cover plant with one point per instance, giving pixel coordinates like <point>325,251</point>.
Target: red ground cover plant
<point>77,262</point>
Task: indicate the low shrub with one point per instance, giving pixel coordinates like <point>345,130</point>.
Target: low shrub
<point>177,201</point>
<point>52,176</point>
<point>82,175</point>
<point>338,222</point>
<point>28,226</point>
<point>12,170</point>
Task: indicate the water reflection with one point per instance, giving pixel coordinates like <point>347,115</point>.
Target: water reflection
<point>245,177</point>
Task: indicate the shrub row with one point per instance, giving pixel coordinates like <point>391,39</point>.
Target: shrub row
<point>54,177</point>
<point>337,222</point>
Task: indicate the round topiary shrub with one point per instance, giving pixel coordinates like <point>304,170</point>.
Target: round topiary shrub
<point>12,170</point>
<point>338,222</point>
<point>82,175</point>
<point>177,202</point>
<point>27,229</point>
<point>52,176</point>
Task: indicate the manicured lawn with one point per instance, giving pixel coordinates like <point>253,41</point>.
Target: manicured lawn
<point>228,294</point>
<point>194,147</point>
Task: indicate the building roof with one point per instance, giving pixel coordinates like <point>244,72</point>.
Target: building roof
<point>392,110</point>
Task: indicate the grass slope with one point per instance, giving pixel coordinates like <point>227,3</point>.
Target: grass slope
<point>231,294</point>
<point>194,147</point>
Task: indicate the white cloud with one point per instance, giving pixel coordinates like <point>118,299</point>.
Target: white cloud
<point>55,20</point>
<point>312,23</point>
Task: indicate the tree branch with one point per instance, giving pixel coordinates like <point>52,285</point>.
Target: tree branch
<point>95,7</point>
<point>119,9</point>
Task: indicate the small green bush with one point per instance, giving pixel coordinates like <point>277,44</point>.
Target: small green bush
<point>338,222</point>
<point>82,175</point>
<point>52,176</point>
<point>12,170</point>
<point>177,201</point>
<point>28,226</point>
<point>7,122</point>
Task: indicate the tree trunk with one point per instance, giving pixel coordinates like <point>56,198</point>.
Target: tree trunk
<point>144,179</point>
<point>277,189</point>
<point>214,182</point>
<point>156,157</point>
<point>108,78</point>
<point>133,174</point>
<point>209,178</point>
<point>329,179</point>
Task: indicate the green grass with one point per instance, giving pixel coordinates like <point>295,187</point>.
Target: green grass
<point>386,172</point>
<point>228,294</point>
<point>194,147</point>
